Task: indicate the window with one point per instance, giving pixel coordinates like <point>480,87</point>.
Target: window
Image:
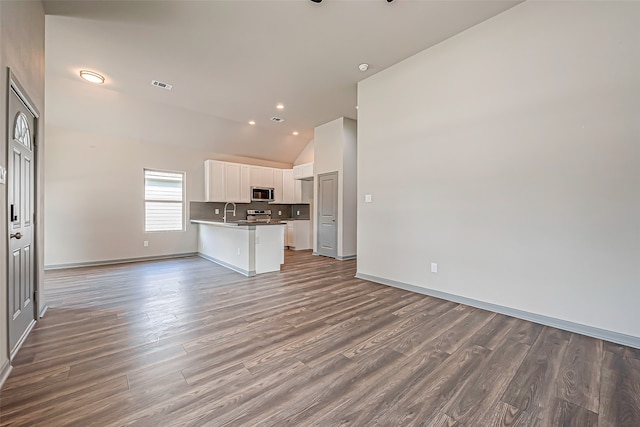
<point>21,131</point>
<point>163,201</point>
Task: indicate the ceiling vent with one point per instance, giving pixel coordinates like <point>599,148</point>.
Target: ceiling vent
<point>166,86</point>
<point>277,119</point>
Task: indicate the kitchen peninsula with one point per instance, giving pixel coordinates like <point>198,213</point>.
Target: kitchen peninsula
<point>265,196</point>
<point>248,248</point>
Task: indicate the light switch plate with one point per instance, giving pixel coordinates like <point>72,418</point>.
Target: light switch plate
<point>3,175</point>
<point>367,198</point>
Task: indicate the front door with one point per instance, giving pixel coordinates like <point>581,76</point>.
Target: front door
<point>328,214</point>
<point>20,203</point>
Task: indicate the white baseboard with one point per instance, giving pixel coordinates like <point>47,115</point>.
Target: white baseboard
<point>227,265</point>
<point>117,261</point>
<point>4,372</point>
<point>22,339</point>
<point>566,325</point>
<point>339,258</point>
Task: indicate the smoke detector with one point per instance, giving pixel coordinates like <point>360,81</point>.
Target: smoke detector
<point>162,85</point>
<point>277,119</point>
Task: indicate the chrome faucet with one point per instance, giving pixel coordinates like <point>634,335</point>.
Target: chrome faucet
<point>224,217</point>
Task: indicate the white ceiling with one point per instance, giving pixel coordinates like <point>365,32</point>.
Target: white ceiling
<point>232,61</point>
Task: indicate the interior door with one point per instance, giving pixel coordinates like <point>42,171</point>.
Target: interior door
<point>328,214</point>
<point>20,202</point>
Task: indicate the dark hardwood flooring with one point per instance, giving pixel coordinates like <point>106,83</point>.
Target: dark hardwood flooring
<point>187,342</point>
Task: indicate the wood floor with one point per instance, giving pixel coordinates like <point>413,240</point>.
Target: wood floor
<point>187,342</point>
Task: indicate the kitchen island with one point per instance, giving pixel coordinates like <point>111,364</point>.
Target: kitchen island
<point>248,248</point>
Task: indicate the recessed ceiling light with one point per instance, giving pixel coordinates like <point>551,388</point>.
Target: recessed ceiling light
<point>295,132</point>
<point>92,77</point>
<point>251,122</point>
<point>363,67</point>
<point>280,107</point>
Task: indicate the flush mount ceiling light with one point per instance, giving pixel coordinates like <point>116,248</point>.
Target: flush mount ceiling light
<point>363,67</point>
<point>252,122</point>
<point>280,107</point>
<point>92,77</point>
<point>295,132</point>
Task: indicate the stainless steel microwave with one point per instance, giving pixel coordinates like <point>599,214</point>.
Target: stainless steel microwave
<point>262,194</point>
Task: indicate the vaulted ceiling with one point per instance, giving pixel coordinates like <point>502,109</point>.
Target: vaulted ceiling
<point>230,62</point>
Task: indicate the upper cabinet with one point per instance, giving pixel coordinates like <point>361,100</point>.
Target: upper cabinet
<point>214,181</point>
<point>245,185</point>
<point>277,186</point>
<point>304,171</point>
<point>226,182</point>
<point>291,188</point>
<point>262,176</point>
<point>232,182</point>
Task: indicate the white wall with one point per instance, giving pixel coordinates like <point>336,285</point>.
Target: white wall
<point>22,50</point>
<point>95,191</point>
<point>510,155</point>
<point>349,187</point>
<point>335,150</point>
<point>306,155</point>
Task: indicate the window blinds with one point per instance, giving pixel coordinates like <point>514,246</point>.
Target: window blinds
<point>163,200</point>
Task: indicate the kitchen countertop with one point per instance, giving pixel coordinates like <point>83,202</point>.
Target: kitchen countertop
<point>241,223</point>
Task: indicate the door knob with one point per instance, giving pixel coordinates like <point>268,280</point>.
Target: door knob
<point>18,236</point>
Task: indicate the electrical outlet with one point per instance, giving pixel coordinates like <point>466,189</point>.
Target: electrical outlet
<point>297,212</point>
<point>434,267</point>
<point>146,243</point>
<point>217,211</point>
<point>279,213</point>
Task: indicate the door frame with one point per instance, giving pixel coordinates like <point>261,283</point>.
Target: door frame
<point>336,212</point>
<point>13,84</point>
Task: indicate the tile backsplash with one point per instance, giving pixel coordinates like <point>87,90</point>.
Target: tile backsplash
<point>206,210</point>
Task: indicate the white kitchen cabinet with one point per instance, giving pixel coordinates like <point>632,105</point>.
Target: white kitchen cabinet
<point>307,170</point>
<point>245,186</point>
<point>214,181</point>
<point>304,171</point>
<point>226,182</point>
<point>302,234</point>
<point>297,191</point>
<point>291,188</point>
<point>232,182</point>
<point>288,186</point>
<point>278,186</point>
<point>289,234</point>
<point>268,177</point>
<point>255,176</point>
<point>297,172</point>
<point>297,234</point>
<point>261,176</point>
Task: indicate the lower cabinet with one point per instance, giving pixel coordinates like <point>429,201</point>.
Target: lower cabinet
<point>297,235</point>
<point>289,236</point>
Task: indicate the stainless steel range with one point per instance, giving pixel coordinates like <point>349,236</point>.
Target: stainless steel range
<point>255,215</point>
